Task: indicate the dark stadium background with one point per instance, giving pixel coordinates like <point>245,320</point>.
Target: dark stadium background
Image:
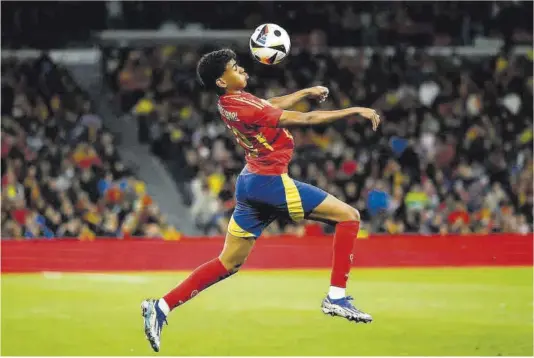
<point>118,176</point>
<point>454,154</point>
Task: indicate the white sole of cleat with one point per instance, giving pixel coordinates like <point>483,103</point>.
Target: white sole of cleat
<point>144,308</point>
<point>332,313</point>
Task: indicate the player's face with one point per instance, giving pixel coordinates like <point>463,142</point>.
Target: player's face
<point>234,77</point>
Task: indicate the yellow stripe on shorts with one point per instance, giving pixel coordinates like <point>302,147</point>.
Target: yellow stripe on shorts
<point>236,230</point>
<point>294,202</point>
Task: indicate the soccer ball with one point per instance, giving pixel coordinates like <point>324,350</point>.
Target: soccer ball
<point>269,44</point>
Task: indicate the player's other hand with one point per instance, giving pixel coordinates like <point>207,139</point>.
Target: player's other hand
<point>318,92</point>
<point>371,115</point>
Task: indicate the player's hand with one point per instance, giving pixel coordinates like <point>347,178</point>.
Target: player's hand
<point>318,92</point>
<point>371,115</point>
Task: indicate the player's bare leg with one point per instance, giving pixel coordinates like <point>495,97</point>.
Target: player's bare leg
<point>236,251</point>
<point>347,221</point>
<point>232,257</point>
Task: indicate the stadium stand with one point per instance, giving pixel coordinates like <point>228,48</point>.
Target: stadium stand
<point>454,154</point>
<point>61,173</point>
<point>376,23</point>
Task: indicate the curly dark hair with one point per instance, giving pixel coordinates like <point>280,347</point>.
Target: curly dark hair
<point>212,65</point>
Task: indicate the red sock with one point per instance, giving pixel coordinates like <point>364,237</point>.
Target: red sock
<point>203,277</point>
<point>346,233</point>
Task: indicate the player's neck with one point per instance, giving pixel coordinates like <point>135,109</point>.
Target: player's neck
<point>232,92</point>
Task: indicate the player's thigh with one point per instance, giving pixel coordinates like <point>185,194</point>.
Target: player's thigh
<point>332,211</point>
<point>235,251</point>
<point>250,219</point>
<point>253,212</point>
<point>300,198</point>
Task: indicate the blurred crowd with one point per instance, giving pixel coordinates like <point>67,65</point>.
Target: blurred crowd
<point>356,23</point>
<point>364,23</point>
<point>453,155</point>
<point>61,173</point>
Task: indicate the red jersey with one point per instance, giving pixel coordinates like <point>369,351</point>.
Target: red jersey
<point>254,123</point>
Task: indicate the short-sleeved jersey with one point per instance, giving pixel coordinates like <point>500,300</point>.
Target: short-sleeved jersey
<point>254,124</point>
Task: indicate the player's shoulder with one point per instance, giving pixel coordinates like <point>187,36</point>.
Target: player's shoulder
<point>261,101</point>
<point>243,99</point>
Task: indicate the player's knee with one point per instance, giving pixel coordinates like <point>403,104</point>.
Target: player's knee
<point>235,252</point>
<point>232,263</point>
<point>350,214</point>
<point>235,269</point>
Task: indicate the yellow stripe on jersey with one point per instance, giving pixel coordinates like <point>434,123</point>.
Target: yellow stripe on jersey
<point>261,138</point>
<point>252,103</point>
<point>293,200</point>
<point>236,230</point>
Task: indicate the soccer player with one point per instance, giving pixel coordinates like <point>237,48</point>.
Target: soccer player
<point>264,191</point>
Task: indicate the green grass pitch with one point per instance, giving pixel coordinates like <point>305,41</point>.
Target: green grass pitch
<point>475,311</point>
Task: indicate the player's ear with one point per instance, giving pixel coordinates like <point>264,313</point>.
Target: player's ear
<point>221,83</point>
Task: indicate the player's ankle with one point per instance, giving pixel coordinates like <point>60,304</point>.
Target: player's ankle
<point>164,307</point>
<point>336,292</point>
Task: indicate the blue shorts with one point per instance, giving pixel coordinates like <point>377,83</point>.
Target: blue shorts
<point>263,198</point>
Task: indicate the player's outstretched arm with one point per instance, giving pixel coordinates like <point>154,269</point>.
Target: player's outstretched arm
<point>291,118</point>
<point>288,101</point>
